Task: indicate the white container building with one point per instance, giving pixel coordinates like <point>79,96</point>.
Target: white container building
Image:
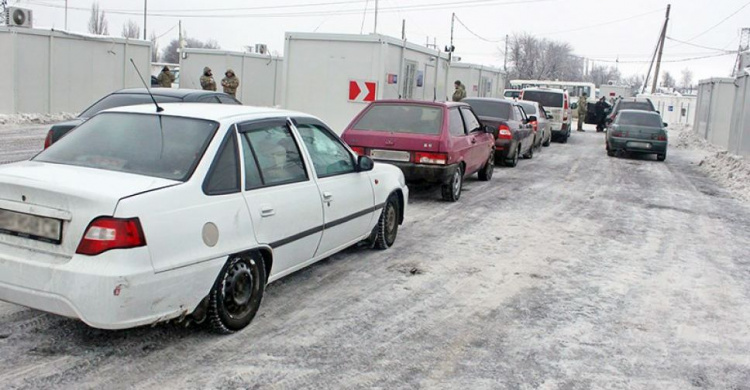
<point>480,80</point>
<point>334,76</point>
<point>715,105</point>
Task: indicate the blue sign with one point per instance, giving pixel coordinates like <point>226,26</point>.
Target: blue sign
<point>671,108</point>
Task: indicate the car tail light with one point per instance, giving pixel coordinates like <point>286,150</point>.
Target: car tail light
<point>535,125</point>
<point>659,137</point>
<point>504,132</point>
<point>565,103</point>
<point>619,133</point>
<point>107,233</point>
<point>358,149</point>
<point>48,139</point>
<point>430,158</point>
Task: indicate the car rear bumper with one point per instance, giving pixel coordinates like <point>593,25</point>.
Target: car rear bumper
<point>558,128</point>
<point>502,149</point>
<point>414,173</point>
<point>638,145</point>
<point>115,290</point>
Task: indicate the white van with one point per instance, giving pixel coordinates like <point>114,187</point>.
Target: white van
<point>557,104</point>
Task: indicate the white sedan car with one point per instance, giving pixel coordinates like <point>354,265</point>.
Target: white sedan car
<point>138,217</point>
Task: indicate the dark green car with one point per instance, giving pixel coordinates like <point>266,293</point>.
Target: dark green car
<point>638,131</point>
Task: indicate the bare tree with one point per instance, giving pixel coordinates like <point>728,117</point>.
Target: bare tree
<point>686,80</point>
<point>131,30</point>
<point>635,82</point>
<point>667,80</point>
<point>97,22</point>
<point>154,48</point>
<point>535,58</point>
<point>602,75</point>
<point>170,55</point>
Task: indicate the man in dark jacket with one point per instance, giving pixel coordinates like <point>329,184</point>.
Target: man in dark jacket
<point>166,78</point>
<point>601,116</point>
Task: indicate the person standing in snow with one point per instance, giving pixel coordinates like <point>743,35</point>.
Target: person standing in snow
<point>230,83</point>
<point>207,80</point>
<point>460,92</point>
<point>583,110</point>
<point>166,78</point>
<point>601,117</point>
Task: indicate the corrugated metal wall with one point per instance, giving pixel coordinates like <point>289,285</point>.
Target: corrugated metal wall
<point>716,110</point>
<point>739,132</point>
<point>47,71</point>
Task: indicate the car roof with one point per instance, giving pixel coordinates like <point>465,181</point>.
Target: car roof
<point>545,89</point>
<point>209,111</point>
<point>529,102</point>
<point>639,112</point>
<point>171,92</point>
<point>420,102</point>
<point>635,99</point>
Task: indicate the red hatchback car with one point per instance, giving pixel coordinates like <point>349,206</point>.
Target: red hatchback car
<point>432,142</point>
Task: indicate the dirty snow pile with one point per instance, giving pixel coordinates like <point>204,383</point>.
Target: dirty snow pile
<point>22,119</point>
<point>730,170</point>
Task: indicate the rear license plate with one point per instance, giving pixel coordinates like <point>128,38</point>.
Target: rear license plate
<point>31,226</point>
<point>390,155</point>
<point>639,145</point>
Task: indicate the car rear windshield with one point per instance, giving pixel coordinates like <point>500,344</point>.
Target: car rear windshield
<point>547,99</point>
<point>512,94</point>
<point>639,119</point>
<point>645,106</point>
<point>490,108</point>
<point>150,145</point>
<point>402,119</point>
<point>529,108</point>
<point>124,99</point>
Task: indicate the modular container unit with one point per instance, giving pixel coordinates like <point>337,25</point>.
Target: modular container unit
<point>50,71</point>
<point>739,134</point>
<point>480,80</point>
<point>714,115</point>
<point>615,91</point>
<point>677,111</point>
<point>334,76</point>
<point>260,74</point>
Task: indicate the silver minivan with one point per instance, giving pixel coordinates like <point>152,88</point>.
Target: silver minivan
<point>557,104</point>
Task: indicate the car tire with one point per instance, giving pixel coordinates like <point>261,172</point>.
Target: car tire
<point>452,191</point>
<point>237,293</point>
<point>564,139</point>
<point>611,153</point>
<point>661,157</point>
<point>530,154</point>
<point>513,161</point>
<point>547,142</point>
<point>387,227</point>
<point>485,174</point>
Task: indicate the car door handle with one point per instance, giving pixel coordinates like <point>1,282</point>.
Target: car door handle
<point>473,140</point>
<point>327,196</point>
<point>267,211</point>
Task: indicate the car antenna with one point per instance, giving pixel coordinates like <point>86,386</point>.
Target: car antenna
<point>158,109</point>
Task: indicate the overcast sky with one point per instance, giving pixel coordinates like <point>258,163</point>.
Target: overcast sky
<point>597,29</point>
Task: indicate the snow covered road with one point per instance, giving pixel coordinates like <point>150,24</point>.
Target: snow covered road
<point>572,271</point>
<point>21,142</point>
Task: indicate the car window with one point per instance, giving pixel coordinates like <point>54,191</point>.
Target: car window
<point>125,99</point>
<point>542,112</point>
<point>208,99</point>
<point>144,144</point>
<point>495,109</point>
<point>520,116</point>
<point>252,172</point>
<point>645,106</point>
<point>646,119</point>
<point>277,154</point>
<point>470,120</point>
<point>329,156</point>
<point>545,98</point>
<point>402,118</point>
<point>224,99</point>
<point>224,175</point>
<point>528,107</point>
<point>455,123</point>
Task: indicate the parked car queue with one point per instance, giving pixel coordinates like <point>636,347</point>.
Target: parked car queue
<point>186,211</point>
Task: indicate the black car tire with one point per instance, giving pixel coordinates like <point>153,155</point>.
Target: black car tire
<point>548,141</point>
<point>387,227</point>
<point>485,174</point>
<point>661,157</point>
<point>530,154</point>
<point>451,191</point>
<point>611,153</point>
<point>237,293</point>
<point>513,161</point>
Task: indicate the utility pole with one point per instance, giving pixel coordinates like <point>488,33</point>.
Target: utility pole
<point>375,30</point>
<point>403,29</point>
<point>66,15</point>
<point>661,49</point>
<point>145,12</point>
<point>450,50</point>
<point>505,56</point>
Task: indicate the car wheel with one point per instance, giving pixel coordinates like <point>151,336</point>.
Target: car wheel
<point>530,154</point>
<point>548,141</point>
<point>564,139</point>
<point>661,157</point>
<point>452,191</point>
<point>387,227</point>
<point>513,161</point>
<point>236,296</point>
<point>489,168</point>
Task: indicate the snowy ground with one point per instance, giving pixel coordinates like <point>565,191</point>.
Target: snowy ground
<point>572,271</point>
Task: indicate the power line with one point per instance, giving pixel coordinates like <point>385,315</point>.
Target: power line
<point>669,61</point>
<point>475,34</point>
<point>607,23</point>
<point>721,21</point>
<point>700,46</point>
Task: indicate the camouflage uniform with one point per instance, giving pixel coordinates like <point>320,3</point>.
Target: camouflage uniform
<point>460,92</point>
<point>207,80</point>
<point>230,83</point>
<point>583,110</point>
<point>166,78</point>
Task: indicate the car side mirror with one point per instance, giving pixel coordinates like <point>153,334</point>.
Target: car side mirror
<point>664,124</point>
<point>365,164</point>
<point>488,129</point>
<point>658,112</point>
<point>532,118</point>
<point>550,116</point>
<point>574,106</point>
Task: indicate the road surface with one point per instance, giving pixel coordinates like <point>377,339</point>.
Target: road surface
<point>572,271</point>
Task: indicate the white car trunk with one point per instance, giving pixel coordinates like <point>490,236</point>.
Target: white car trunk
<point>73,195</point>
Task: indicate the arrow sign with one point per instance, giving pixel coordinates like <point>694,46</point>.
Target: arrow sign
<point>362,91</point>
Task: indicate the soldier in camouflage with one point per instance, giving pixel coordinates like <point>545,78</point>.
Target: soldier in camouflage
<point>207,80</point>
<point>166,78</point>
<point>460,92</point>
<point>230,83</point>
<point>583,110</point>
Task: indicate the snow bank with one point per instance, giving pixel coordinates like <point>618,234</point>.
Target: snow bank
<point>22,119</point>
<point>730,170</point>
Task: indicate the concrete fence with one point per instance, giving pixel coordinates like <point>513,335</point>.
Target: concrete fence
<point>260,75</point>
<point>49,71</point>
